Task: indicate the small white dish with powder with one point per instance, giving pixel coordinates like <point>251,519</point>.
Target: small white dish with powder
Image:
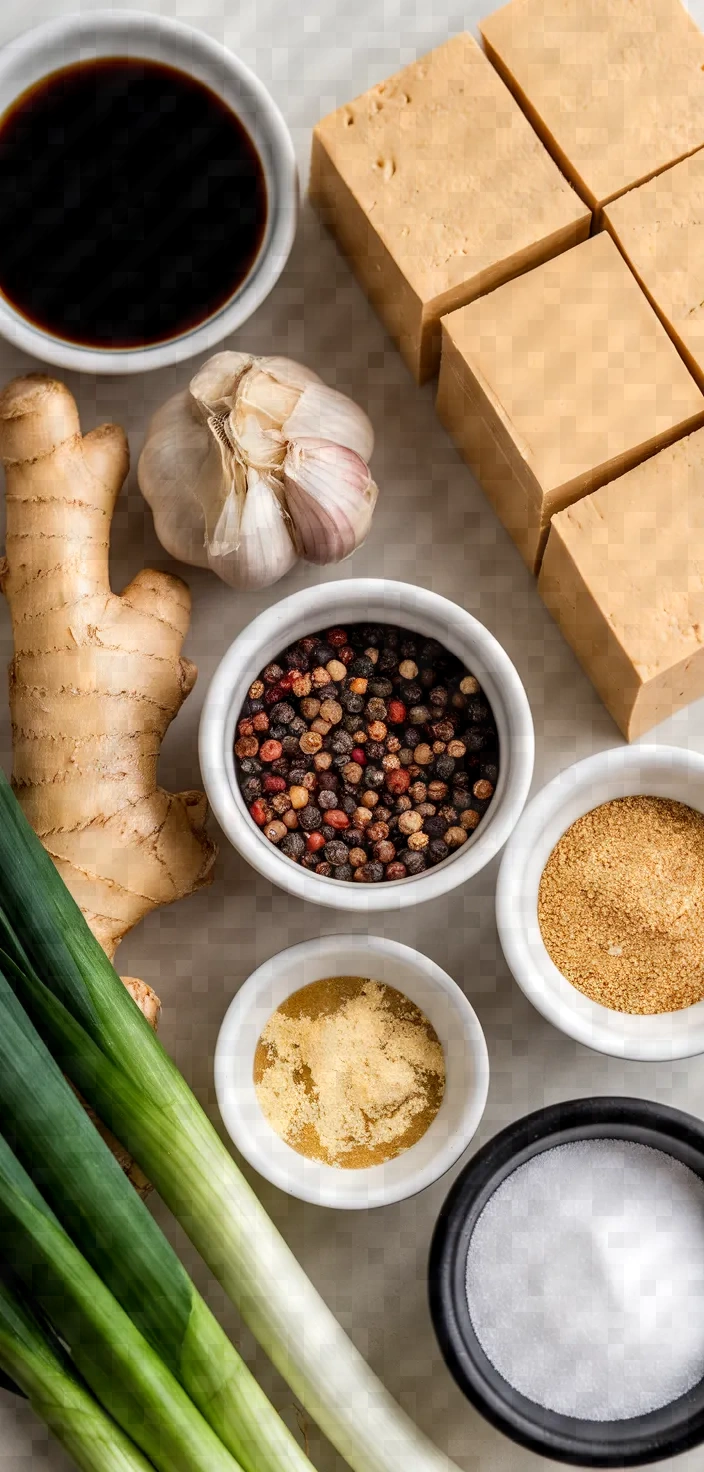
<point>447,1010</point>
<point>585,1279</point>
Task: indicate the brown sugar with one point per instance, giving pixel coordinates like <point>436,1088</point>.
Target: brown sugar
<point>349,1071</point>
<point>621,905</point>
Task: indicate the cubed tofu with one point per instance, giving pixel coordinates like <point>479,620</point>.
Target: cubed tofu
<point>614,87</point>
<point>558,382</point>
<point>438,189</point>
<point>623,575</point>
<point>660,230</point>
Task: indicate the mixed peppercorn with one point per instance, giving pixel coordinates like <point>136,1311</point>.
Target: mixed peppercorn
<point>367,753</point>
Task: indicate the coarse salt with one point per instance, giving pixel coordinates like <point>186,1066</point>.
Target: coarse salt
<point>585,1279</point>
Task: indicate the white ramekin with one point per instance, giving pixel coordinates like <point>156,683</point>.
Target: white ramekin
<point>445,1006</point>
<point>100,33</point>
<point>655,771</point>
<point>366,600</point>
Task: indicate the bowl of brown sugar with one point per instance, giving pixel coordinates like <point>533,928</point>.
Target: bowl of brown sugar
<point>351,1071</point>
<point>600,902</point>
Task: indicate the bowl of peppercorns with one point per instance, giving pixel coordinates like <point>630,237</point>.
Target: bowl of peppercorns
<point>366,744</point>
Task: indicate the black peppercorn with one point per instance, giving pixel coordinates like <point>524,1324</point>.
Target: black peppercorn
<point>343,871</point>
<point>350,724</point>
<point>327,799</point>
<point>362,667</point>
<point>435,827</point>
<point>282,712</point>
<point>375,709</point>
<point>462,781</point>
<point>309,861</point>
<point>436,851</point>
<point>478,712</point>
<point>353,704</point>
<point>251,766</point>
<point>290,744</point>
<point>336,851</point>
<point>474,738</point>
<point>375,751</point>
<point>280,767</point>
<point>374,777</point>
<point>349,804</point>
<point>341,743</point>
<point>323,653</point>
<point>388,662</point>
<point>353,837</point>
<point>293,845</point>
<point>490,772</point>
<point>410,692</point>
<point>324,868</point>
<point>310,818</point>
<point>443,767</point>
<point>298,726</point>
<point>414,862</point>
<point>382,689</point>
<point>252,789</point>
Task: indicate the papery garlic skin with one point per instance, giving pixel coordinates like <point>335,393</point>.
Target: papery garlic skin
<point>258,463</point>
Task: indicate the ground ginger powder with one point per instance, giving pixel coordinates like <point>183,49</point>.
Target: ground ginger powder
<point>349,1071</point>
<point>621,905</point>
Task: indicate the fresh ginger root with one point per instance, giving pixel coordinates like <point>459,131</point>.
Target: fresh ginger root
<point>96,678</point>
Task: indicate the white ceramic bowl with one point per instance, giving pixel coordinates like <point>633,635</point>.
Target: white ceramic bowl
<point>374,601</point>
<point>100,33</point>
<point>445,1006</point>
<point>655,771</point>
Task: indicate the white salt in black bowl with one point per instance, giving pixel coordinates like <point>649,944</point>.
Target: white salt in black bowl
<point>660,1434</point>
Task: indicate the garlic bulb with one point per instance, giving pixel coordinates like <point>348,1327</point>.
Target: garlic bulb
<point>258,463</point>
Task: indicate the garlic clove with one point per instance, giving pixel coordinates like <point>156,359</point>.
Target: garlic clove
<point>251,546</point>
<point>324,413</point>
<point>264,449</point>
<point>330,496</point>
<point>173,457</point>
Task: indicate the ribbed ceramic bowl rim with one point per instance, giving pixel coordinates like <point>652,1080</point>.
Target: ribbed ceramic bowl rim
<point>664,771</point>
<point>310,1180</point>
<point>81,36</point>
<point>627,1443</point>
<point>366,600</point>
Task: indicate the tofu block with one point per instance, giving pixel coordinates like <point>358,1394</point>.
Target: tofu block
<point>437,189</point>
<point>558,382</point>
<point>615,88</point>
<point>623,575</point>
<point>659,230</point>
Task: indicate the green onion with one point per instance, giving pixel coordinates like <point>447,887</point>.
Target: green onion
<point>105,1218</point>
<point>31,1354</point>
<point>108,1050</point>
<point>122,1370</point>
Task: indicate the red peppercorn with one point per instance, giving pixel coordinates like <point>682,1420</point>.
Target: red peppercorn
<point>270,751</point>
<point>288,680</point>
<point>346,654</point>
<point>273,784</point>
<point>314,841</point>
<point>396,712</point>
<point>357,755</point>
<point>260,721</point>
<point>245,727</point>
<point>336,637</point>
<point>261,812</point>
<point>397,870</point>
<point>274,694</point>
<point>336,818</point>
<point>397,780</point>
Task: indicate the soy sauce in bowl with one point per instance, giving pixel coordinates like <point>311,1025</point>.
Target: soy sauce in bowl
<point>133,203</point>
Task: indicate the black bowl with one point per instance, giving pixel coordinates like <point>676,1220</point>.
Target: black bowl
<point>663,1433</point>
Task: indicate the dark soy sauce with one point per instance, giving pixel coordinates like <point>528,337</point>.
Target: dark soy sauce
<point>132,203</point>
